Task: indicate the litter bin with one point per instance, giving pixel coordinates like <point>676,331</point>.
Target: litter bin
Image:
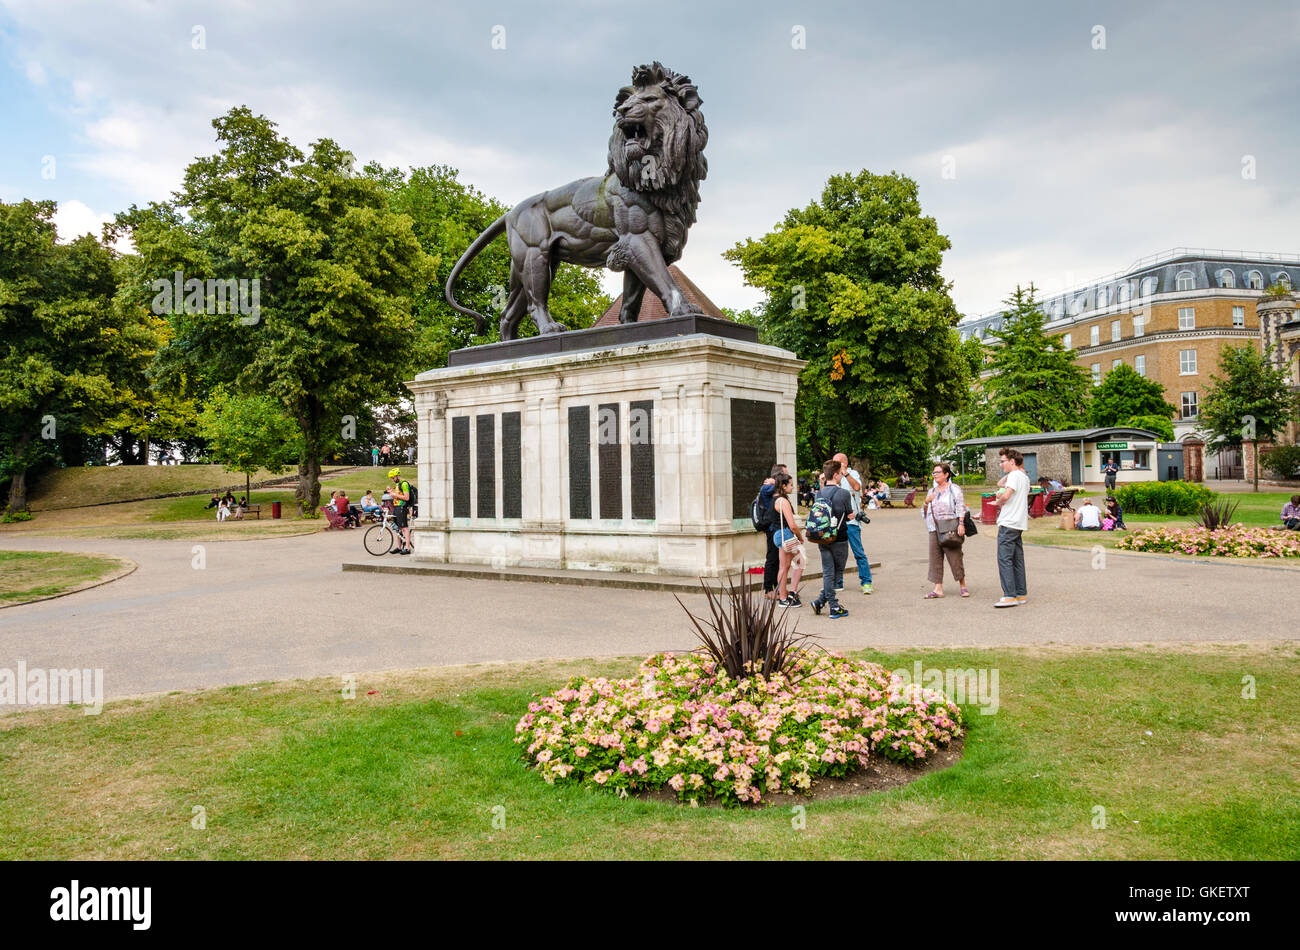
<point>275,509</point>
<point>1037,503</point>
<point>988,510</point>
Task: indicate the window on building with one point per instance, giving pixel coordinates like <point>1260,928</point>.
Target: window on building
<point>1186,362</point>
<point>1103,297</point>
<point>1190,407</point>
<point>1226,278</point>
<point>1140,365</point>
<point>1125,292</point>
<point>1187,318</point>
<point>1139,324</point>
<point>1116,364</point>
<point>1077,304</point>
<point>1239,317</point>
<point>1148,287</point>
<point>1065,342</point>
<point>1186,280</point>
<point>1094,336</point>
<point>1254,280</point>
<point>1096,374</point>
<point>1114,330</point>
<point>1284,279</point>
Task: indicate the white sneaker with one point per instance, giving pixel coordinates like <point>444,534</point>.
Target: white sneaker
<point>1007,602</point>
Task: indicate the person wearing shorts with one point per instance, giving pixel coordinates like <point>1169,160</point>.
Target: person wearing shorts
<point>401,507</point>
<point>789,542</point>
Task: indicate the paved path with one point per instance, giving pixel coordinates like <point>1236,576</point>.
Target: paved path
<point>282,608</point>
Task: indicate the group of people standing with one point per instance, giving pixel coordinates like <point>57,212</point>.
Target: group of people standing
<point>947,519</point>
<point>840,487</point>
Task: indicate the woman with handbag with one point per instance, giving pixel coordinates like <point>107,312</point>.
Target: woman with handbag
<point>789,542</point>
<point>945,513</point>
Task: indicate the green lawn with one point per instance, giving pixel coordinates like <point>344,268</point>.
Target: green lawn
<point>1164,742</point>
<point>65,487</point>
<point>30,575</point>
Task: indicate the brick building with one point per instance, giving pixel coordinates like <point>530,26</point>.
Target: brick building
<point>1168,316</point>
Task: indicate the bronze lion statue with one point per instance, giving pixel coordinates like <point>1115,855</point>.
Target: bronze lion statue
<point>632,219</point>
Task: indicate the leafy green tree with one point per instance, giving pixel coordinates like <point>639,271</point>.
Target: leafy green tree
<point>63,346</point>
<point>331,329</point>
<point>854,287</point>
<point>1033,382</point>
<point>248,433</point>
<point>1160,425</point>
<point>446,216</point>
<point>1124,395</point>
<point>1251,402</point>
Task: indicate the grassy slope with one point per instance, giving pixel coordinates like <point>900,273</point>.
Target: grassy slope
<point>294,771</point>
<point>28,575</point>
<point>104,483</point>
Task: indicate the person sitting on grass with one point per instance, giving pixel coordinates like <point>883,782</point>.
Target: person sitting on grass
<point>1291,514</point>
<point>212,502</point>
<point>223,511</point>
<point>1115,515</point>
<point>1088,517</point>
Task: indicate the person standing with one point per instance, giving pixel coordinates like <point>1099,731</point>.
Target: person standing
<point>852,482</point>
<point>1012,500</point>
<point>1110,470</point>
<point>834,552</point>
<point>789,542</point>
<point>945,505</point>
<point>772,563</point>
<point>401,508</point>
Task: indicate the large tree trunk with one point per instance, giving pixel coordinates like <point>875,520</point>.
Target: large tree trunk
<point>18,491</point>
<point>307,494</point>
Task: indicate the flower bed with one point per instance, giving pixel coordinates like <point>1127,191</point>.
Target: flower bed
<point>684,724</point>
<point>1235,541</point>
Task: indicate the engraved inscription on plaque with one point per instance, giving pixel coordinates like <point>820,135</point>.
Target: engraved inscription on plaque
<point>609,453</point>
<point>485,468</point>
<point>459,467</point>
<point>641,433</point>
<point>753,450</point>
<point>512,475</point>
<point>579,461</point>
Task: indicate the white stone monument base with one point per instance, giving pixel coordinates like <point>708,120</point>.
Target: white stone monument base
<point>545,461</point>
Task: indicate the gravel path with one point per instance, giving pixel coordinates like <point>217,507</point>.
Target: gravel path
<point>282,608</point>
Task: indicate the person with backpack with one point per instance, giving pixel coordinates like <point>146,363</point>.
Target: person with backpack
<point>827,526</point>
<point>764,520</point>
<point>789,542</point>
<point>853,484</point>
<point>404,501</point>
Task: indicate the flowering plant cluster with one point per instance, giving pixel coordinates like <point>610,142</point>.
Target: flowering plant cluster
<point>1235,541</point>
<point>683,723</point>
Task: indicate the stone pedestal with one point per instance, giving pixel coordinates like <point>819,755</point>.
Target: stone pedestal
<point>638,457</point>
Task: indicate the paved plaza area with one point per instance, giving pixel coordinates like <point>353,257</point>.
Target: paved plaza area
<point>283,608</point>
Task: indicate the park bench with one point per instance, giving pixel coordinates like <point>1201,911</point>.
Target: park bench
<point>254,510</point>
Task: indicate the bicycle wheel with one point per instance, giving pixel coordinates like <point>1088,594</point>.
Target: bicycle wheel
<point>379,539</point>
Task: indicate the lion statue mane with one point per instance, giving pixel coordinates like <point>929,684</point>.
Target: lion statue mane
<point>632,219</point>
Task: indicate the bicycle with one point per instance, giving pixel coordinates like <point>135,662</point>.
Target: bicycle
<point>384,537</point>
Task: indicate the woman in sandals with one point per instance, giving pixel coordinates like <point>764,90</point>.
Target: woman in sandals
<point>944,505</point>
<point>789,541</point>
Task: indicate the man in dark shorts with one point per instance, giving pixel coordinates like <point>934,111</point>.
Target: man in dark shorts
<point>401,508</point>
<point>771,566</point>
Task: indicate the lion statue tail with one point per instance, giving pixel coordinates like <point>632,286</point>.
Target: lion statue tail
<point>495,230</point>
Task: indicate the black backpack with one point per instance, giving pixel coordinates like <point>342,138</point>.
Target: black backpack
<point>759,513</point>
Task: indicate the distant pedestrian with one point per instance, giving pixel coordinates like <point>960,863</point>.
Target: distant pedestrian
<point>1012,500</point>
<point>772,561</point>
<point>374,455</point>
<point>1110,470</point>
<point>945,512</point>
<point>835,546</point>
<point>852,483</point>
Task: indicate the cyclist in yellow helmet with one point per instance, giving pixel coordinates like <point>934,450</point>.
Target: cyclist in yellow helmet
<point>402,492</point>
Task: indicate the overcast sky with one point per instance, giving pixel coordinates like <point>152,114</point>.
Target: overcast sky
<point>1068,161</point>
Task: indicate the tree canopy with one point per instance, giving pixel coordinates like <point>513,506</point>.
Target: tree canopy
<point>1251,401</point>
<point>854,287</point>
<point>1126,398</point>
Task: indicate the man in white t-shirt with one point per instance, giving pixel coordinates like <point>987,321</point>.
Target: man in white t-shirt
<point>853,482</point>
<point>1013,520</point>
<point>1088,517</point>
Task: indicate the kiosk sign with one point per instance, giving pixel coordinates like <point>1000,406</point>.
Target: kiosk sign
<point>1104,446</point>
